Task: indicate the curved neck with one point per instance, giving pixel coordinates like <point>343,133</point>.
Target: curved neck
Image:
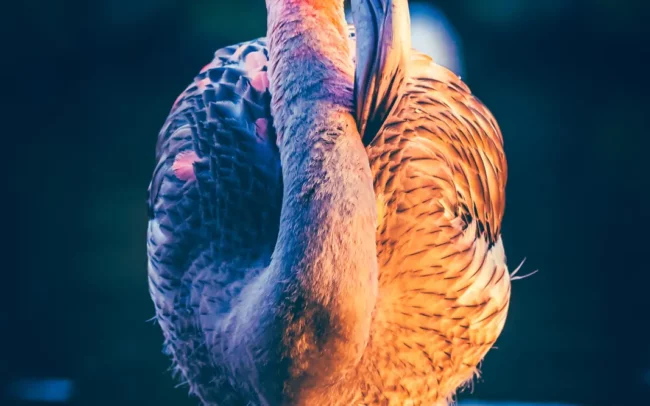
<point>325,257</point>
<point>310,60</point>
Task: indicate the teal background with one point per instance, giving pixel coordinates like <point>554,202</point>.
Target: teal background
<point>89,83</point>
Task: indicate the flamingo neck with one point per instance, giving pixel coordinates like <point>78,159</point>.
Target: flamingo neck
<point>325,261</point>
<point>309,59</point>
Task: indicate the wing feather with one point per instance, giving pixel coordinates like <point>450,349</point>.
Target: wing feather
<point>210,232</point>
<point>440,175</point>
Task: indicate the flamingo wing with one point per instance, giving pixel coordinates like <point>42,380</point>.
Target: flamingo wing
<point>440,175</point>
<point>214,204</point>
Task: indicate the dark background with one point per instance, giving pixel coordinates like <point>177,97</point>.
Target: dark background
<point>90,84</point>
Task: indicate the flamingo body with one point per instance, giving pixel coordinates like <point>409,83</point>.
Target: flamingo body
<point>439,174</point>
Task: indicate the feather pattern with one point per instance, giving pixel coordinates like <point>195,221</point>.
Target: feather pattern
<point>210,235</point>
<point>439,178</point>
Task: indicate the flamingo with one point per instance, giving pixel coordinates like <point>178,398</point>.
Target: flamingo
<point>325,218</point>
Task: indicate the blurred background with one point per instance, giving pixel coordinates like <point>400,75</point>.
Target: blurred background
<point>91,82</point>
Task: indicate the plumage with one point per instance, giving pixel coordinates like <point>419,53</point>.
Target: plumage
<point>442,286</point>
